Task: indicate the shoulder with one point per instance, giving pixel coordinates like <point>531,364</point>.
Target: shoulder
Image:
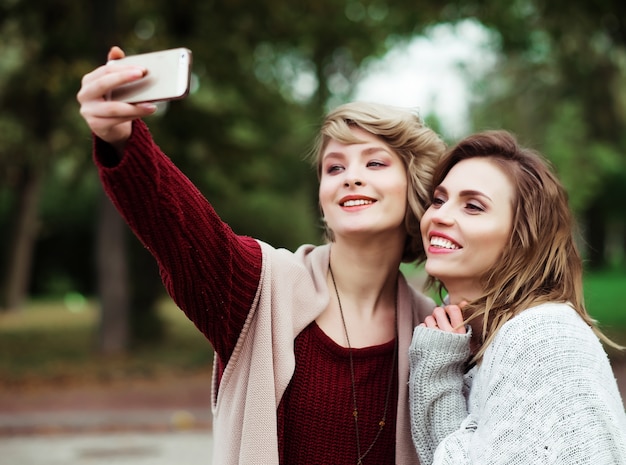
<point>421,305</point>
<point>306,256</point>
<point>552,330</point>
<point>547,371</point>
<point>300,272</point>
<point>293,284</point>
<point>545,321</point>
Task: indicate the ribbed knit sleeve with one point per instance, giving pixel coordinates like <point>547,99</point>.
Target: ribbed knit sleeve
<point>437,404</point>
<point>210,272</point>
<point>543,394</point>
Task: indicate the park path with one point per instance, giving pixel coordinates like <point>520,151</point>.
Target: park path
<point>165,421</point>
<point>172,403</point>
<point>158,404</point>
<point>158,422</point>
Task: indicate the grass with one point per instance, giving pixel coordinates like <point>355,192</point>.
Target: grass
<point>54,342</point>
<point>604,297</point>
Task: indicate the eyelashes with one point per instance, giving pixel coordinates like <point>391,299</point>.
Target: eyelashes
<point>471,206</point>
<point>370,164</point>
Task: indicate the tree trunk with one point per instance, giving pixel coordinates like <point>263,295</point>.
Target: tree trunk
<point>22,242</point>
<point>111,247</point>
<point>595,225</point>
<point>605,125</point>
<point>113,336</point>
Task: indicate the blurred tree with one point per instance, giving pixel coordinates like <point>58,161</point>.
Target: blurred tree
<point>34,123</point>
<point>264,73</point>
<point>116,329</point>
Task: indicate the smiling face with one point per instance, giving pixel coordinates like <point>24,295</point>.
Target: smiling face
<point>363,188</point>
<point>468,225</point>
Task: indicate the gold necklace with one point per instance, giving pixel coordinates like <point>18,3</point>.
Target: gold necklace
<point>355,410</point>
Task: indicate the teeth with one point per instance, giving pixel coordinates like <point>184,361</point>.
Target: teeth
<point>443,243</point>
<point>356,203</point>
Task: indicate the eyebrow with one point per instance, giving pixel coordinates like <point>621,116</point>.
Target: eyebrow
<point>365,152</point>
<point>465,193</point>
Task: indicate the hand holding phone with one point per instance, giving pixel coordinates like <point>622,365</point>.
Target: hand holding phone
<point>168,77</point>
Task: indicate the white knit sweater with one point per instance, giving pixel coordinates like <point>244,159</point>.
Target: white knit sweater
<point>544,393</point>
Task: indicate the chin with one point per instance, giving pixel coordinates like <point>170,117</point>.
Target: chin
<point>432,269</point>
<point>438,274</point>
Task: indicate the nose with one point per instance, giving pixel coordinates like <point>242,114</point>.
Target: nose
<point>355,182</point>
<point>441,215</point>
<point>352,178</point>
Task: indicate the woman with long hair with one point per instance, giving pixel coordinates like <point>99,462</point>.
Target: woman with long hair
<point>511,370</point>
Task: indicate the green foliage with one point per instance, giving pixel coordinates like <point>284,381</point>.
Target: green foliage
<point>582,164</point>
<point>263,74</point>
<point>559,85</point>
<point>603,297</point>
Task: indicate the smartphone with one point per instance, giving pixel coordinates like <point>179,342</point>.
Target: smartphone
<point>168,77</point>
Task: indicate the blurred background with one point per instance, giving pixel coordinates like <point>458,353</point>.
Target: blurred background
<point>81,302</point>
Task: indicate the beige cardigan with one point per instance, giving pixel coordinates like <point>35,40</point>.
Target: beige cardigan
<point>292,292</point>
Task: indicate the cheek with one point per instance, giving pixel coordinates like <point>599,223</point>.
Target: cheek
<point>497,244</point>
<point>323,194</point>
<point>400,191</point>
<point>425,221</point>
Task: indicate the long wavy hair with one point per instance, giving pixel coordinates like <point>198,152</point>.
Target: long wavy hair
<point>418,146</point>
<point>540,263</point>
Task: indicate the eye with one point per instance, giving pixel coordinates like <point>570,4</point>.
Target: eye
<point>437,201</point>
<point>331,169</point>
<point>375,164</point>
<point>474,207</point>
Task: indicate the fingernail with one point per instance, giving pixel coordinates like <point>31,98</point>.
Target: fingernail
<point>137,72</point>
<point>148,106</point>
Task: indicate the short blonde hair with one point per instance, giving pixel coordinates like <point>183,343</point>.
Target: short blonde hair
<point>418,146</point>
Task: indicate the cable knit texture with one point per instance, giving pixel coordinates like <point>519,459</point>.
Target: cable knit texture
<point>543,394</point>
<point>315,419</point>
<point>256,305</point>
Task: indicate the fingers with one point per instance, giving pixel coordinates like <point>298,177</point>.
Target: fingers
<point>99,82</point>
<point>448,318</point>
<point>102,80</point>
<point>111,121</point>
<point>456,317</point>
<point>430,322</point>
<point>441,317</point>
<point>115,53</point>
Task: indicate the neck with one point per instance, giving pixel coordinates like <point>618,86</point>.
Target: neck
<point>458,292</point>
<point>457,296</point>
<point>365,280</point>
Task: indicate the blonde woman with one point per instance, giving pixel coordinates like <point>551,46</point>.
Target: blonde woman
<point>529,382</point>
<point>311,346</point>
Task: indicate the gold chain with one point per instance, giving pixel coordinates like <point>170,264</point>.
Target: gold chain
<point>355,410</point>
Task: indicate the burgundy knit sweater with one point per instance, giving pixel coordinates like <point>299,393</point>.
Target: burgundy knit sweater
<point>212,274</point>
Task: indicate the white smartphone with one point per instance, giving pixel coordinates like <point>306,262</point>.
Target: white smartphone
<point>168,77</point>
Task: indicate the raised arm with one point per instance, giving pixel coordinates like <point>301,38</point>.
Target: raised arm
<point>210,272</point>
